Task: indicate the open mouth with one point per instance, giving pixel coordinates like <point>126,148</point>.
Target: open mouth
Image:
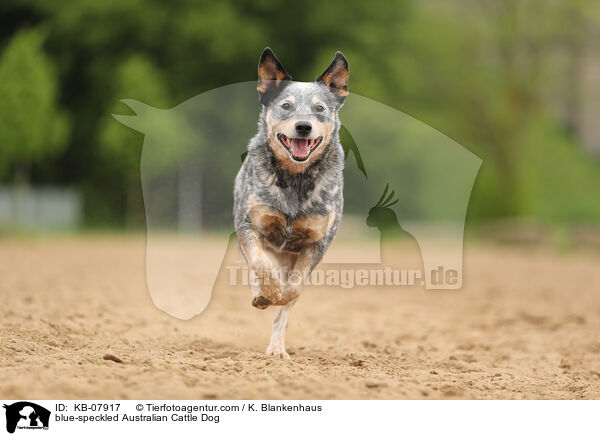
<point>299,148</point>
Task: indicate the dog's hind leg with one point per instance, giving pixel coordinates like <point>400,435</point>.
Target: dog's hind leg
<point>277,344</point>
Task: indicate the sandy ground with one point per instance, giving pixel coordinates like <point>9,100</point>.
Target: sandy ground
<point>525,325</point>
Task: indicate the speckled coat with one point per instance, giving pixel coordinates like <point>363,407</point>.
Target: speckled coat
<point>287,208</point>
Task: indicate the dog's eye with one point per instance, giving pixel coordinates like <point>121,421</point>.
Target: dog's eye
<point>319,108</point>
<point>286,106</point>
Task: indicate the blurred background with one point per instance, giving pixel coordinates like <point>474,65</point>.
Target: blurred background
<point>515,82</point>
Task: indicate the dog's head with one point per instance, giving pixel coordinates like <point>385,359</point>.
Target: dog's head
<point>301,117</point>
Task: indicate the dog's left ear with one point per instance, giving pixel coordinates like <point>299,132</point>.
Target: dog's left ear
<point>272,77</point>
<point>335,76</point>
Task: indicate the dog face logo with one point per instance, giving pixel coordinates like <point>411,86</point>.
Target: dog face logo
<point>26,415</point>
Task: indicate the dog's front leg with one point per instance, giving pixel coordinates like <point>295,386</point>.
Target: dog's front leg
<point>277,343</point>
<point>264,279</point>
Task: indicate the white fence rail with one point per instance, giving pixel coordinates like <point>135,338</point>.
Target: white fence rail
<point>40,208</point>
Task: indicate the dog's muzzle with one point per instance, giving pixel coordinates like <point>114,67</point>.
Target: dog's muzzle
<point>299,148</point>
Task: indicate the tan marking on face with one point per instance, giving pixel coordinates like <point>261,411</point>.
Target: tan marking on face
<point>324,129</point>
<point>281,154</point>
<point>275,126</point>
<point>284,158</point>
<point>262,86</point>
<point>315,100</point>
<point>288,127</point>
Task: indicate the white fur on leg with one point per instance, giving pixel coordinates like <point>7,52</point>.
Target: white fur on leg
<point>277,344</point>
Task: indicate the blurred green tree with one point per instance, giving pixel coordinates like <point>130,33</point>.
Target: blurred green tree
<point>136,78</point>
<point>495,76</point>
<point>32,128</point>
<point>31,125</point>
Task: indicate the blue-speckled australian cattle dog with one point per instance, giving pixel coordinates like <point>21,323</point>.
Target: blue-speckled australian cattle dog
<point>288,193</point>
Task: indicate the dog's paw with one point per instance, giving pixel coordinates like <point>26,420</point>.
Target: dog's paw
<point>260,302</point>
<point>268,279</point>
<point>277,350</point>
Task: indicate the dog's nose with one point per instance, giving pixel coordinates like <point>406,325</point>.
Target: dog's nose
<point>303,127</point>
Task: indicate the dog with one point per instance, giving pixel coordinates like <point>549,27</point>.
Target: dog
<point>288,194</point>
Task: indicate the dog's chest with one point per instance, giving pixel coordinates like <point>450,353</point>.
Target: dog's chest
<point>285,233</point>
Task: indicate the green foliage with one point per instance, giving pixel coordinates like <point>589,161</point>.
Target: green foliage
<point>31,127</point>
<point>558,183</point>
<point>501,78</point>
<point>136,78</point>
<point>121,148</point>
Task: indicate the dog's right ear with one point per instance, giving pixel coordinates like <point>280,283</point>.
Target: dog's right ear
<point>335,77</point>
<point>272,77</point>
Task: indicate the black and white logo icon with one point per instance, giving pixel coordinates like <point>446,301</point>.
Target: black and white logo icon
<point>26,415</point>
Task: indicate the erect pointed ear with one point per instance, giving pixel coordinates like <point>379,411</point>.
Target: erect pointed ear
<point>272,77</point>
<point>335,76</point>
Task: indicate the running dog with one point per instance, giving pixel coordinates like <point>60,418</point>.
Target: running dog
<point>288,193</point>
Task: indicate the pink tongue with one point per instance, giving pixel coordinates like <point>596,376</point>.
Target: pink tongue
<point>300,147</point>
